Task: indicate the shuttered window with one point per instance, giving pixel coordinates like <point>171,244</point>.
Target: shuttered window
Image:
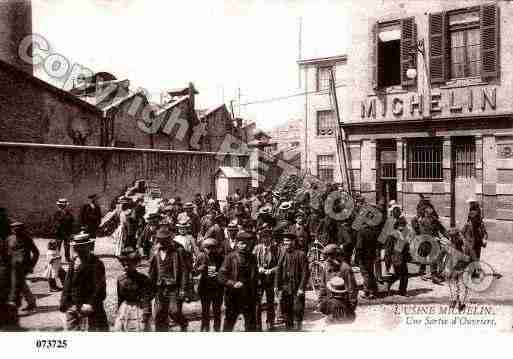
<point>464,43</point>
<point>323,77</point>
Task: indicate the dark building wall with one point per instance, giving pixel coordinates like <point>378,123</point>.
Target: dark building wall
<point>33,176</point>
<point>15,24</point>
<point>33,111</point>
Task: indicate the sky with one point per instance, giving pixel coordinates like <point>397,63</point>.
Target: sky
<point>220,46</point>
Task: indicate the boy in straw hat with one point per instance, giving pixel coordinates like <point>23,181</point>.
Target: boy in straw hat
<point>85,289</point>
<point>134,295</point>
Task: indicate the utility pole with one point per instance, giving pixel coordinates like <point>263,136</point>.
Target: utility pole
<point>341,145</point>
<point>300,45</point>
<point>238,92</point>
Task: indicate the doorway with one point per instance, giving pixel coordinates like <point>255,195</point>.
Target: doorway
<point>463,177</point>
<point>386,173</point>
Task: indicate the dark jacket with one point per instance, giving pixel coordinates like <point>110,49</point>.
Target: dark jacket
<point>85,284</point>
<point>367,243</point>
<point>23,251</point>
<point>215,231</point>
<point>292,273</point>
<point>91,218</point>
<point>172,272</point>
<point>63,224</point>
<point>229,274</point>
<point>208,284</point>
<point>269,261</point>
<point>303,236</point>
<point>135,288</point>
<point>8,276</point>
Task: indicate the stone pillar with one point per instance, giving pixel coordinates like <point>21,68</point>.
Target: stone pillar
<point>368,170</point>
<point>444,190</point>
<point>479,168</point>
<point>400,170</point>
<point>489,177</point>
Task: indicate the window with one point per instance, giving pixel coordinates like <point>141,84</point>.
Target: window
<point>325,170</point>
<point>465,40</point>
<point>393,52</point>
<point>464,152</point>
<point>325,123</point>
<point>389,55</point>
<point>464,43</point>
<point>424,159</point>
<point>323,77</point>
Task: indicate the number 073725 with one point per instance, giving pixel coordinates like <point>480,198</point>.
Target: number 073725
<point>51,343</point>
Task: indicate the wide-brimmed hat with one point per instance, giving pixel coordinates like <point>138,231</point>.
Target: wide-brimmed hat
<point>188,205</point>
<point>392,203</point>
<point>129,254</point>
<point>286,205</point>
<point>330,249</point>
<point>123,200</point>
<point>183,220</point>
<point>16,224</point>
<point>209,243</point>
<point>337,285</point>
<point>81,239</point>
<point>93,196</point>
<point>62,202</point>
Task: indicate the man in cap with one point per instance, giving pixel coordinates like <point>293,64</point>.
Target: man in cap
<point>210,291</point>
<point>63,226</point>
<point>194,219</point>
<point>91,216</point>
<point>230,243</point>
<point>265,215</point>
<point>85,289</point>
<point>475,236</point>
<point>301,231</point>
<point>266,253</point>
<point>292,276</point>
<point>146,239</point>
<point>25,255</point>
<point>185,240</point>
<point>169,276</point>
<point>9,290</point>
<point>216,229</point>
<point>199,203</point>
<point>238,275</point>
<point>397,251</point>
<point>338,304</point>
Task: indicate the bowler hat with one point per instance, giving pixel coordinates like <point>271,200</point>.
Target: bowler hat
<point>93,196</point>
<point>289,235</point>
<point>81,239</point>
<point>330,249</point>
<point>337,285</point>
<point>209,242</point>
<point>163,234</point>
<point>129,254</point>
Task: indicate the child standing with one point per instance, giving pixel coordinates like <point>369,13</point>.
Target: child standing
<point>54,268</point>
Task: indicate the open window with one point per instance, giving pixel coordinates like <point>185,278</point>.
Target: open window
<point>393,52</point>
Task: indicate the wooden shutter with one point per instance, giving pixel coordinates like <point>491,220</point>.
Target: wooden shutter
<point>437,47</point>
<point>408,47</point>
<point>374,57</point>
<point>489,23</point>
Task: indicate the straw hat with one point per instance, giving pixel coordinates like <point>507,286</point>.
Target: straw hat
<point>81,239</point>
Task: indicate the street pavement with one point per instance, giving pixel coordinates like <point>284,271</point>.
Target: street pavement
<point>378,314</point>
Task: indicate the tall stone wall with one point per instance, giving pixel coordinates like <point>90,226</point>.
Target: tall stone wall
<point>34,176</point>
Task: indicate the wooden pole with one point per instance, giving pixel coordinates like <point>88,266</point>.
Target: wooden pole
<point>341,149</point>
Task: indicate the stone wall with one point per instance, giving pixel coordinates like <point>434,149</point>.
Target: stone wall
<point>34,176</point>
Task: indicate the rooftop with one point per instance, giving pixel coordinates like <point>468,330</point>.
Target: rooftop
<point>323,60</point>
